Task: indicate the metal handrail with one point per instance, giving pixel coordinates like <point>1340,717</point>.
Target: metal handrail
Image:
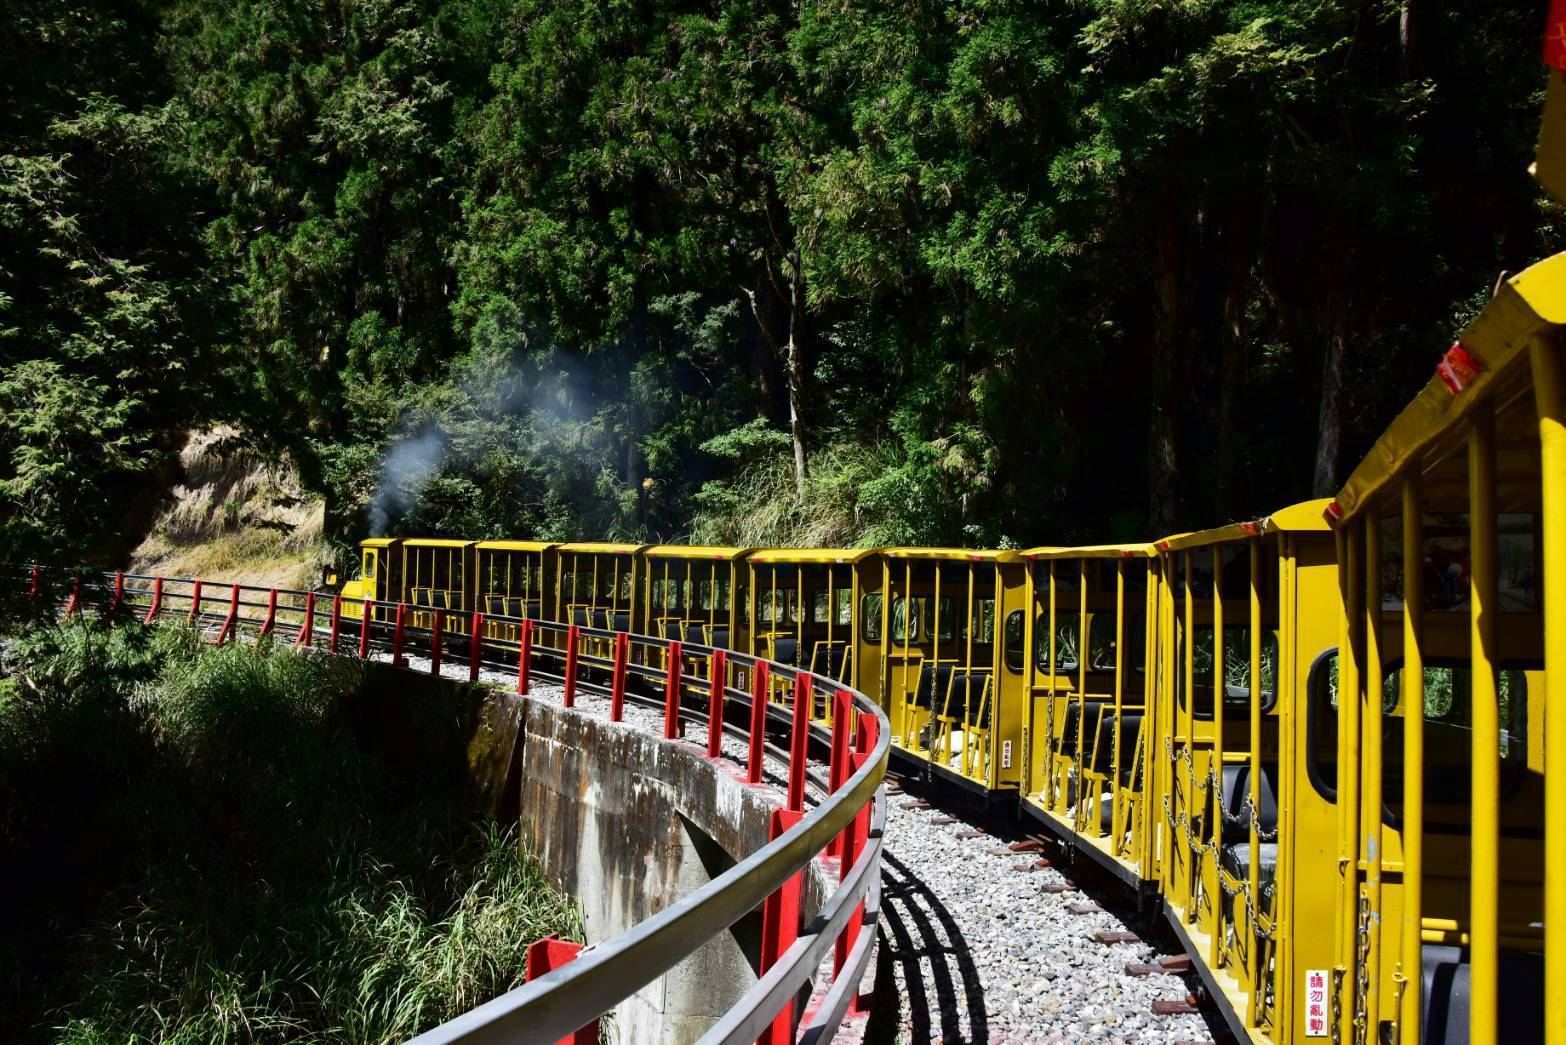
<point>559,1003</point>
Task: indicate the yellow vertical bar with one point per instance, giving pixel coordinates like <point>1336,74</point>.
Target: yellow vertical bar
<point>907,633</point>
<point>1485,919</point>
<point>1082,662</point>
<point>1350,592</point>
<point>1253,868</point>
<point>967,665</point>
<point>1286,699</point>
<point>1120,664</point>
<point>1153,715</point>
<point>1549,388</point>
<point>1410,969</point>
<point>1054,742</point>
<point>831,603</point>
<point>1189,722</point>
<point>1371,840</point>
<point>1215,771</point>
<point>853,627</point>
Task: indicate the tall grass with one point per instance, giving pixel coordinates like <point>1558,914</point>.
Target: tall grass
<point>197,849</point>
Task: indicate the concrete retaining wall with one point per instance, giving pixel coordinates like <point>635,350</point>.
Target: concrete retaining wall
<point>623,821</point>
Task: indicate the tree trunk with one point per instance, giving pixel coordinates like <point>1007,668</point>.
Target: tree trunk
<point>798,335</point>
<point>1408,38</point>
<point>633,411</point>
<point>1239,246</point>
<point>1163,459</point>
<point>1329,437</point>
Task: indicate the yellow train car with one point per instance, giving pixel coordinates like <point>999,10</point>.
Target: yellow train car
<point>1445,709</point>
<point>1087,648</point>
<point>942,634</point>
<point>692,593</point>
<point>598,584</point>
<point>802,607</point>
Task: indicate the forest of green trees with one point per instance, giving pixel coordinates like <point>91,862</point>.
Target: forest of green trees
<point>875,271</point>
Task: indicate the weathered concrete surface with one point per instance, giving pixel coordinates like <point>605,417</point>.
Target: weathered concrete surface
<point>629,824</point>
<point>622,820</point>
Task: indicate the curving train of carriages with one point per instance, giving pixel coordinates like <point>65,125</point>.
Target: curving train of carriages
<point>1316,740</point>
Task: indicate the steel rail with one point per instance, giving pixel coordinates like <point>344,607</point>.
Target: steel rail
<point>559,1003</point>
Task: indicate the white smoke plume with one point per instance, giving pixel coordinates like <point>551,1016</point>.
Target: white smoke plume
<point>407,467</point>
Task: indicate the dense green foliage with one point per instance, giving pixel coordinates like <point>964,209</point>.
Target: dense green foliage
<point>838,270</point>
<point>195,847</point>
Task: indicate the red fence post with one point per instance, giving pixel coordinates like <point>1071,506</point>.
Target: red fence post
<point>157,601</point>
<point>233,614</point>
<point>119,590</point>
<point>622,654</point>
<point>307,629</point>
<point>195,604</point>
<point>74,602</point>
<point>671,693</point>
<point>37,575</point>
<point>798,741</point>
<point>758,722</point>
<point>271,615</point>
<point>337,622</point>
<point>438,624</point>
<point>366,619</point>
<point>544,957</point>
<point>524,657</point>
<point>476,649</point>
<point>852,845</point>
<point>400,636</point>
<point>573,639</point>
<point>780,928</point>
<point>837,767</point>
<point>720,675</point>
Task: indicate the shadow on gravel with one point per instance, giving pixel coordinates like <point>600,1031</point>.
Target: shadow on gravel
<point>919,929</point>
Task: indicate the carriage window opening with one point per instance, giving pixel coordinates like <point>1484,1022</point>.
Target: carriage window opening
<point>905,619</point>
<point>1065,642</point>
<point>1448,706</point>
<point>1446,559</point>
<point>704,591</point>
<point>870,617</point>
<point>845,606</point>
<point>984,623</point>
<point>1012,654</point>
<point>947,617</point>
<point>777,606</point>
<point>1236,670</point>
<point>367,572</point>
<point>820,606</point>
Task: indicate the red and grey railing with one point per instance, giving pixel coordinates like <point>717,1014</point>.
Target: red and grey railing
<point>844,824</point>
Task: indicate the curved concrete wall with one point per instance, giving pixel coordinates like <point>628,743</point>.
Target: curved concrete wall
<point>622,820</point>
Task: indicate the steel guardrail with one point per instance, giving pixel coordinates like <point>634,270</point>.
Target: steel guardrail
<point>560,1002</point>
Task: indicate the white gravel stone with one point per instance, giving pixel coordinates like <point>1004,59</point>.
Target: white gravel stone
<point>978,952</point>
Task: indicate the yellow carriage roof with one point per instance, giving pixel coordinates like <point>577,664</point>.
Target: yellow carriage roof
<point>515,546</point>
<point>378,542</point>
<point>694,551</point>
<point>1296,518</point>
<point>1526,306</point>
<point>811,556</point>
<point>955,554</point>
<point>1091,551</point>
<point>600,548</point>
<point>435,542</point>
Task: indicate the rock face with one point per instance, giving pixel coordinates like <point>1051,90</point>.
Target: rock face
<point>232,514</point>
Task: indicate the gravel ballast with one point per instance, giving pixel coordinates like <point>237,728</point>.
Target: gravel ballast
<point>975,949</point>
